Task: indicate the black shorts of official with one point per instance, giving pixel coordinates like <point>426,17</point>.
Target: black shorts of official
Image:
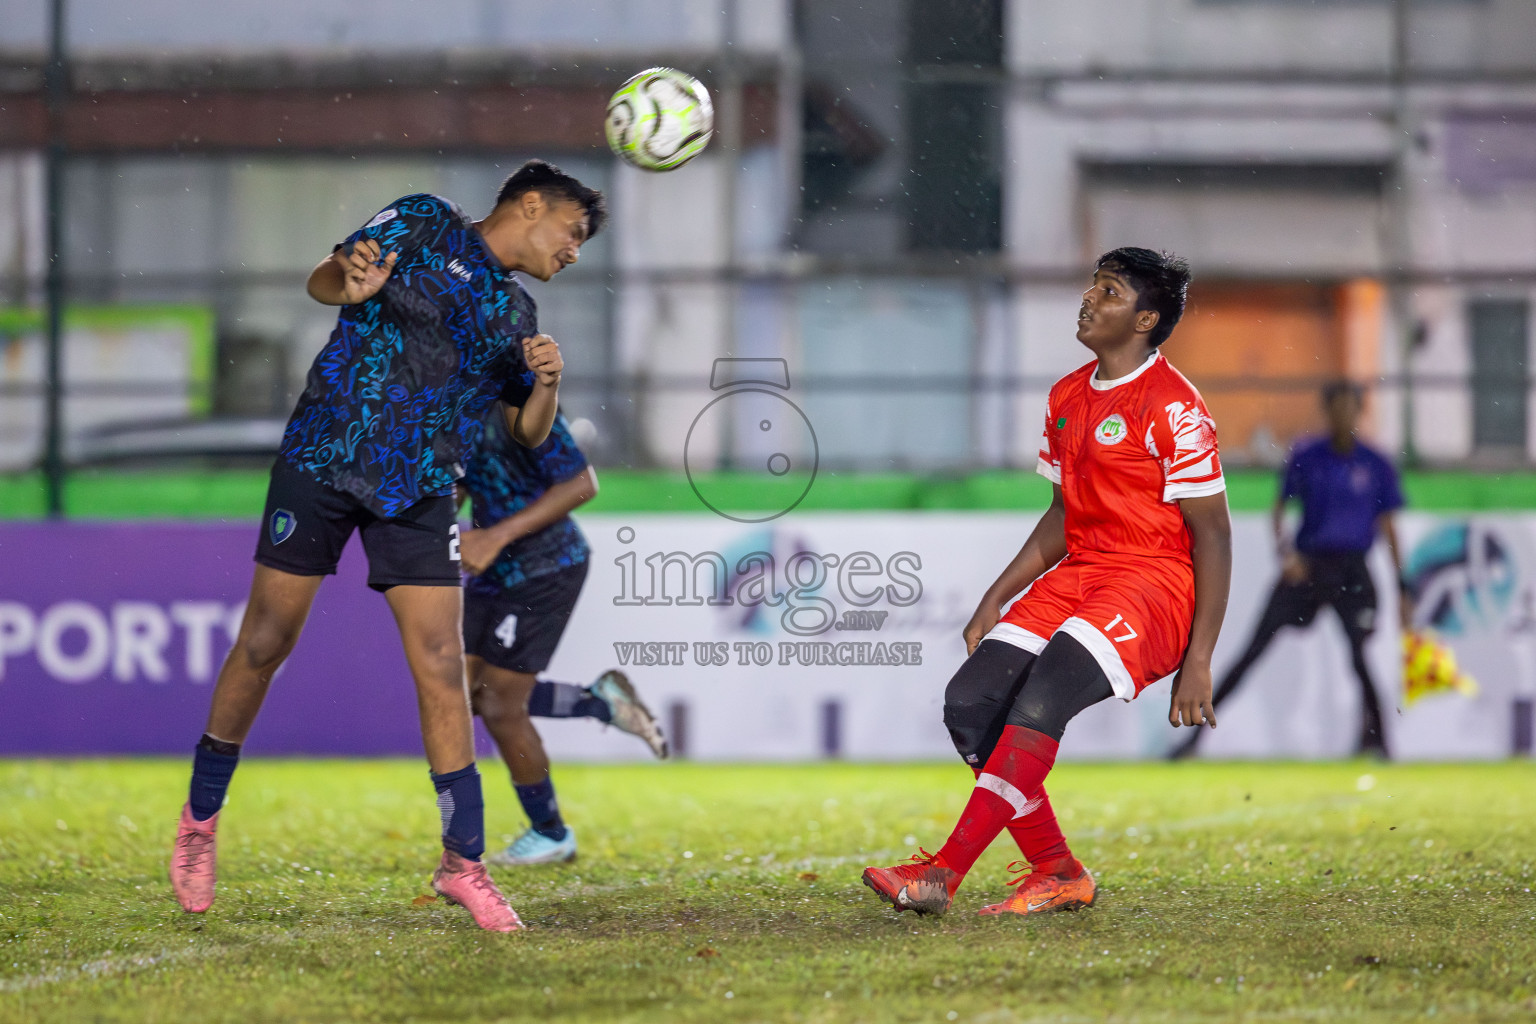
<point>1341,581</point>
<point>519,628</point>
<point>307,524</point>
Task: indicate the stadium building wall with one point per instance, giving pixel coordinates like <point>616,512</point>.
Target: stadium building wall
<point>1274,144</point>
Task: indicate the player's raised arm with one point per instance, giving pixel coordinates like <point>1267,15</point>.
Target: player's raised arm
<point>1210,531</point>
<point>1047,545</point>
<point>479,548</point>
<point>351,274</point>
<point>530,422</point>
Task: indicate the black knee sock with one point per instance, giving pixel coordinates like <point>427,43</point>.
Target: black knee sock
<point>1064,681</point>
<point>978,697</point>
<point>542,808</point>
<point>213,765</point>
<point>566,700</point>
<point>462,807</point>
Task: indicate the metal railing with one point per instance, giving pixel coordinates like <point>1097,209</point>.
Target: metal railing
<point>983,400</point>
<point>616,405</point>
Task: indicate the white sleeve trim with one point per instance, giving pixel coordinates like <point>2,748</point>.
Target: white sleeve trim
<point>1045,469</point>
<point>1204,488</point>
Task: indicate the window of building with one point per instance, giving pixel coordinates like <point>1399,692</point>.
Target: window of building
<point>1500,330</point>
<point>954,125</point>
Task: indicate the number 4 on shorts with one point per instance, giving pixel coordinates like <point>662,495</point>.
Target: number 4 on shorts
<point>1130,634</point>
<point>507,631</point>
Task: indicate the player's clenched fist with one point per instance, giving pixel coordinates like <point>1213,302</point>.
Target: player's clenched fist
<point>543,357</point>
<point>980,625</point>
<point>478,549</point>
<point>363,272</point>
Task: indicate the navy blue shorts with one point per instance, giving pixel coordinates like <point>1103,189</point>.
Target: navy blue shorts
<point>306,524</point>
<point>519,628</point>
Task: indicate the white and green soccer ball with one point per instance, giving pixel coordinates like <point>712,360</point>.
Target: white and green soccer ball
<point>660,119</point>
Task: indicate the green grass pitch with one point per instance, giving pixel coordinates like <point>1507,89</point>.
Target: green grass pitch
<point>1262,892</point>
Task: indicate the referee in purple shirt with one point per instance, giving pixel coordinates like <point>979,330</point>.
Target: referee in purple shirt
<point>1348,492</point>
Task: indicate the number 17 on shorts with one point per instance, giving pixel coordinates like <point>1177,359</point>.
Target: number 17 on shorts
<point>1118,630</point>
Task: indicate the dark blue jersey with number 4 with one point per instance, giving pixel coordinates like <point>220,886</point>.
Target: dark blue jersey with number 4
<point>398,394</point>
<point>503,478</point>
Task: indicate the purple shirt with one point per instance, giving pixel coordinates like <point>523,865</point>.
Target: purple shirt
<point>1341,495</point>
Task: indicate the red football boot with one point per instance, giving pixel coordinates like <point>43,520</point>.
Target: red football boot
<point>926,885</point>
<point>1043,893</point>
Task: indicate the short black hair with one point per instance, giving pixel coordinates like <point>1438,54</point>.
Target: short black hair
<point>548,180</point>
<point>1161,280</point>
<point>1334,388</point>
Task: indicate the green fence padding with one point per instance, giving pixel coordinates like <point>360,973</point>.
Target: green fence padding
<point>238,494</point>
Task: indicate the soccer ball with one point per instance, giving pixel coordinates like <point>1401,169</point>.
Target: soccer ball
<point>660,119</point>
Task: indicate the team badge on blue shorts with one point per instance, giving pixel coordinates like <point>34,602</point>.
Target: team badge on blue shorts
<point>280,528</point>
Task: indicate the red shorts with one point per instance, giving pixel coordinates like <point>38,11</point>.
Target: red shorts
<point>1133,619</point>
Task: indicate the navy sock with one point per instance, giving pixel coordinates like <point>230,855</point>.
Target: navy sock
<point>462,807</point>
<point>566,700</point>
<point>543,811</point>
<point>213,765</point>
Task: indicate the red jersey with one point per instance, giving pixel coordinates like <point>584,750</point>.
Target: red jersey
<point>1124,452</point>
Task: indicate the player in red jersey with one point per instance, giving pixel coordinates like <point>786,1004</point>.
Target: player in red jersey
<point>1124,581</point>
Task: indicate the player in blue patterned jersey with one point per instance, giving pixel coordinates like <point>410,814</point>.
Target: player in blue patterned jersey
<point>433,329</point>
<point>529,560</point>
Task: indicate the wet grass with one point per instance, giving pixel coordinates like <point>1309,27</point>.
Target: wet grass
<point>721,893</point>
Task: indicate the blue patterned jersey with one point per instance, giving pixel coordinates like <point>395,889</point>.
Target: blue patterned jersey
<point>398,393</point>
<point>503,477</point>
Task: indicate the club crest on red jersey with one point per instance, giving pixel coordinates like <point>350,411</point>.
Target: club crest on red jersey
<point>1111,431</point>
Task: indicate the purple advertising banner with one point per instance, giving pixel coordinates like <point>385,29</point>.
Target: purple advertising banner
<point>111,637</point>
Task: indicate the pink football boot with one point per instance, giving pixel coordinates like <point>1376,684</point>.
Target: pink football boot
<point>466,883</point>
<point>192,862</point>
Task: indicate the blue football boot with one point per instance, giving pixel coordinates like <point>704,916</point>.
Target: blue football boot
<point>535,848</point>
<point>627,713</point>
